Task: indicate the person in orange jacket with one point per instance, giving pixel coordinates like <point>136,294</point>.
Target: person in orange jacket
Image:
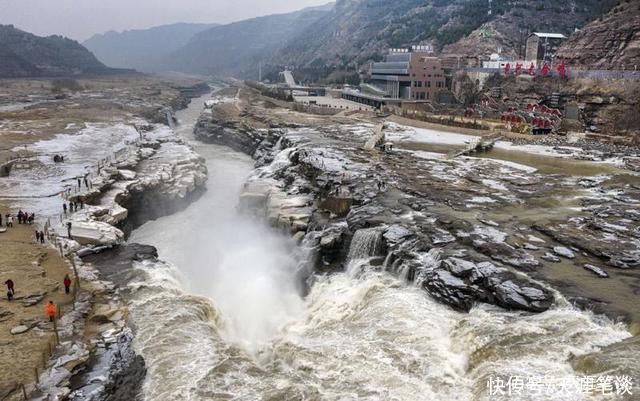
<point>51,311</point>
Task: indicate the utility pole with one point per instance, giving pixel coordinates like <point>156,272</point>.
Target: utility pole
<point>490,10</point>
<point>260,71</point>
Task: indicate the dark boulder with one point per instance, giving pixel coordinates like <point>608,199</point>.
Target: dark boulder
<point>460,283</point>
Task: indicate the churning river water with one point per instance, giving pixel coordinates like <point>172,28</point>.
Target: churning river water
<point>222,319</point>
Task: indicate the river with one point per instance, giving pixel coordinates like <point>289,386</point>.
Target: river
<point>222,319</point>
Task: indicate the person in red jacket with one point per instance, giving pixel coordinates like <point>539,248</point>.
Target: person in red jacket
<point>67,284</point>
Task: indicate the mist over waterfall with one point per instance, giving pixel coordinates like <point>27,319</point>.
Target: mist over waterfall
<point>245,267</point>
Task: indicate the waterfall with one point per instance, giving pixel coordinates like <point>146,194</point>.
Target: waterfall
<point>366,243</point>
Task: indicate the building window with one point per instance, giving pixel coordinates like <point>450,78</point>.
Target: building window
<point>427,95</point>
<point>428,84</point>
<point>419,84</point>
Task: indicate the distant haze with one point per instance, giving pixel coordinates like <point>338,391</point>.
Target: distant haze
<point>80,19</point>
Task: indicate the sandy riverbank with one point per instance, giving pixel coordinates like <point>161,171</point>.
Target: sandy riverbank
<point>37,271</point>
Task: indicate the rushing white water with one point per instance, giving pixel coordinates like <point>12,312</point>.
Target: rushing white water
<point>365,243</point>
<point>247,334</point>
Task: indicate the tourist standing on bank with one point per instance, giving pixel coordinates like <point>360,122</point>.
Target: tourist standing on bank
<point>10,287</point>
<point>51,311</point>
<point>69,230</point>
<point>67,284</point>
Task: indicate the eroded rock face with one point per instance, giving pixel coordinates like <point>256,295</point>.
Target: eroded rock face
<point>610,42</point>
<point>213,127</point>
<point>125,371</point>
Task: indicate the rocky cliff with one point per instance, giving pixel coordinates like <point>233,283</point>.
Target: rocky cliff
<point>26,55</point>
<point>610,42</point>
<point>508,28</point>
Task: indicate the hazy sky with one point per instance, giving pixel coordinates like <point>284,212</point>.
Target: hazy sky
<point>79,19</point>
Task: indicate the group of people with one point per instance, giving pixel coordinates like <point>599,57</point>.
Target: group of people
<point>86,182</point>
<point>73,206</point>
<point>39,237</point>
<point>23,218</point>
<point>11,287</point>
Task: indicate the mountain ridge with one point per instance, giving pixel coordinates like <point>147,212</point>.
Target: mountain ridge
<point>23,54</point>
<point>232,48</point>
<point>142,49</point>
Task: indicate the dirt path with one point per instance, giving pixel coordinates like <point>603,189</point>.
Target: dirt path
<point>35,269</point>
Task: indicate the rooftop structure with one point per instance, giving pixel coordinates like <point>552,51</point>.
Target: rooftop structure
<point>549,35</point>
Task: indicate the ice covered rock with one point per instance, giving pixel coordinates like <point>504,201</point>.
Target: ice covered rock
<point>564,252</point>
<point>596,270</point>
<point>95,233</point>
<point>550,257</point>
<point>20,329</point>
<point>127,174</point>
<point>396,233</point>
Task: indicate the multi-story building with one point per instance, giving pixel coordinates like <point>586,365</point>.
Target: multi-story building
<point>409,74</point>
<point>542,46</point>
